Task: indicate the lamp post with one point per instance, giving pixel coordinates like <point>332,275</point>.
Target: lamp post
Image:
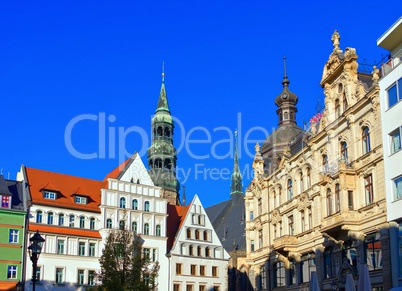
<point>35,249</point>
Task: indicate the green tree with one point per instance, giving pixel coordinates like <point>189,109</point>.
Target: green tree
<point>124,266</point>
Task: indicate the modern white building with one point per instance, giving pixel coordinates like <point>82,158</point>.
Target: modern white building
<point>130,200</point>
<point>197,259</point>
<point>64,209</point>
<point>391,115</point>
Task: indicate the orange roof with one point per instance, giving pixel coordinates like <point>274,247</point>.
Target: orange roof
<point>175,219</point>
<point>65,185</point>
<point>116,172</point>
<point>54,229</point>
<point>4,285</point>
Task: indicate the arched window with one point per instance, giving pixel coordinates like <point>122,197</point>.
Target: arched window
<point>274,194</point>
<point>82,222</point>
<point>290,189</point>
<point>134,205</point>
<point>325,166</point>
<point>345,102</point>
<point>308,178</point>
<point>191,251</point>
<point>109,223</point>
<point>329,202</point>
<point>158,230</point>
<point>159,131</point>
<point>146,229</point>
<point>146,206</point>
<point>61,219</point>
<point>263,277</point>
<point>39,216</point>
<point>122,202</point>
<point>188,233</point>
<point>205,235</point>
<point>92,223</point>
<point>337,108</point>
<point>337,198</point>
<point>50,218</point>
<point>197,234</point>
<point>134,226</point>
<point>71,222</point>
<point>122,225</point>
<point>207,252</point>
<point>279,196</point>
<point>199,251</point>
<point>301,186</point>
<point>344,152</point>
<point>366,140</point>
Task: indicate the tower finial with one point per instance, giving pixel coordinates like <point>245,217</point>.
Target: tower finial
<point>284,68</point>
<point>285,81</point>
<point>163,71</point>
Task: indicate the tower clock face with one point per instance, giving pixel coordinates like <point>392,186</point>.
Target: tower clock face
<point>284,95</point>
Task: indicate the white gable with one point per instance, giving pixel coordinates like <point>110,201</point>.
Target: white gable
<point>137,172</point>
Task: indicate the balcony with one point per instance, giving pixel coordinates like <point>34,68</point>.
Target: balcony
<point>389,65</point>
<point>340,221</point>
<point>285,243</point>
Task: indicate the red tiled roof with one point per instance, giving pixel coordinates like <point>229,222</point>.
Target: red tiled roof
<point>54,229</point>
<point>65,185</point>
<point>116,172</point>
<point>175,220</point>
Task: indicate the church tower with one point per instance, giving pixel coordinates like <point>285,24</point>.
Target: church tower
<point>162,155</point>
<point>236,186</point>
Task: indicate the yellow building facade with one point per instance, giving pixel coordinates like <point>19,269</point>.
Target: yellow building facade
<point>320,205</point>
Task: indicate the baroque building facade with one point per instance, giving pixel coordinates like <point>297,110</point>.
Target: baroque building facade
<point>317,200</point>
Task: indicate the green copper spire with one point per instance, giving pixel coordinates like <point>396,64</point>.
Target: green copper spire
<point>162,102</point>
<point>236,187</point>
<point>162,155</point>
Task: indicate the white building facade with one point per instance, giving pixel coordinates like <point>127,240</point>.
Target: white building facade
<point>198,260</point>
<point>391,112</point>
<point>132,201</point>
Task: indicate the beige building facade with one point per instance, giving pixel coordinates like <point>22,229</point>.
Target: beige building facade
<point>318,203</point>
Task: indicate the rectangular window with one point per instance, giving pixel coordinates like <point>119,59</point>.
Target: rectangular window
<point>307,264</point>
<point>202,270</point>
<point>368,189</point>
<point>400,247</point>
<point>373,251</point>
<point>214,271</point>
<point>80,200</point>
<point>251,215</point>
<point>147,253</point>
<point>397,188</point>
<point>91,278</point>
<point>5,201</point>
<point>394,93</point>
<point>92,248</point>
<point>59,276</point>
<point>189,287</point>
<point>71,220</point>
<point>81,248</point>
<point>60,246</point>
<point>252,245</point>
<point>291,225</point>
<point>12,272</point>
<point>329,263</point>
<point>49,195</point>
<point>279,274</point>
<point>203,288</point>
<point>80,277</point>
<point>176,287</point>
<point>292,272</point>
<point>260,239</point>
<point>193,269</point>
<point>13,238</point>
<point>259,206</point>
<point>350,200</point>
<point>310,218</point>
<point>395,140</point>
<point>178,269</point>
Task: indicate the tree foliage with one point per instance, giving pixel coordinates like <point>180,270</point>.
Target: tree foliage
<point>124,265</point>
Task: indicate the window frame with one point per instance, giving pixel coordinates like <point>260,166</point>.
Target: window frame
<point>397,193</point>
<point>398,90</point>
<point>366,143</point>
<point>368,189</point>
<point>391,138</point>
<point>12,271</point>
<point>13,237</point>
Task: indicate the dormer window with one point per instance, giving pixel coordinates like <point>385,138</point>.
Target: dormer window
<point>5,201</point>
<point>49,195</point>
<point>80,200</point>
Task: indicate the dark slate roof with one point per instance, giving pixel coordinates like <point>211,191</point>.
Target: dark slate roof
<point>14,189</point>
<point>227,218</point>
<point>3,187</point>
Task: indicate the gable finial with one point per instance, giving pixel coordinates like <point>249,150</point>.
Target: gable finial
<point>336,40</point>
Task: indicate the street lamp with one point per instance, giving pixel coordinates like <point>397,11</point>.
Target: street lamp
<point>35,249</point>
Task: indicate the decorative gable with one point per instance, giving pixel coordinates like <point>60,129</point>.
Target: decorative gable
<point>135,172</point>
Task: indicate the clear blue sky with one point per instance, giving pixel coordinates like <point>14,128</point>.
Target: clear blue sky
<point>61,60</point>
